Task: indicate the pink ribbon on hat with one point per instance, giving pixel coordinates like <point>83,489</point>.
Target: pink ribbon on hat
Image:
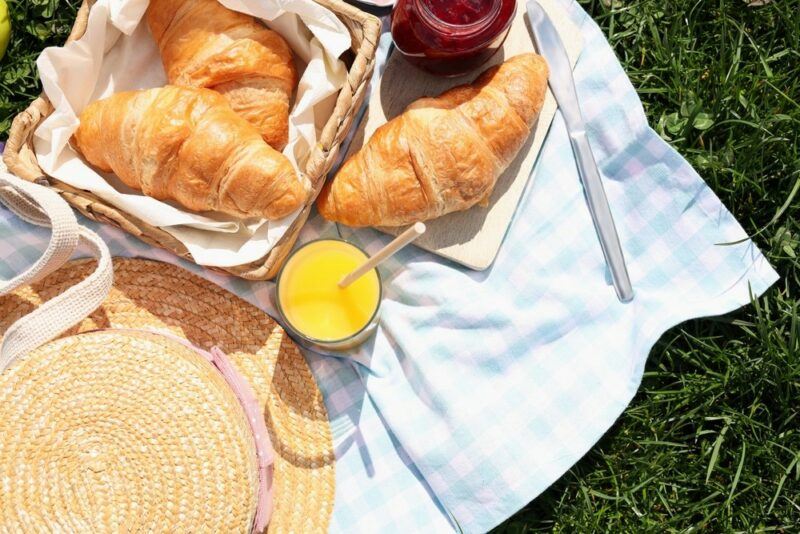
<point>264,450</point>
<point>255,418</point>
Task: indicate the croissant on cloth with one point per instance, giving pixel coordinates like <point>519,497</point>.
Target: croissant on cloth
<point>188,145</point>
<point>204,44</point>
<point>442,154</point>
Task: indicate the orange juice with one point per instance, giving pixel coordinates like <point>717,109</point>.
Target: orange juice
<point>311,301</point>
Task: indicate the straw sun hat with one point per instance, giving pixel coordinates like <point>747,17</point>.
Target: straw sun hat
<point>117,427</point>
<point>156,403</point>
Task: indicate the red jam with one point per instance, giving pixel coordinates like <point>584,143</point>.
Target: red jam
<point>451,37</point>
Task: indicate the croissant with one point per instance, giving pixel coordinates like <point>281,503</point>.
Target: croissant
<point>188,145</point>
<point>442,154</point>
<point>204,44</point>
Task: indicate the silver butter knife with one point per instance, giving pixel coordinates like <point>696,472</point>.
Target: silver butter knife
<point>563,87</point>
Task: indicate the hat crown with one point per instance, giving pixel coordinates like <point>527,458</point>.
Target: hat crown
<point>110,430</point>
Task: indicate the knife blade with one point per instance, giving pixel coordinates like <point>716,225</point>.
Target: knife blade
<point>562,85</point>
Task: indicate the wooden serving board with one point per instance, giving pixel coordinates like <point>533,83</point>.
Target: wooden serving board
<point>473,237</point>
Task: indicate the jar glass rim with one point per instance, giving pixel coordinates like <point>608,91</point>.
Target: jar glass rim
<point>460,29</point>
<point>308,338</point>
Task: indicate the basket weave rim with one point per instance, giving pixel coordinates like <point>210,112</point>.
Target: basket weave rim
<point>157,296</point>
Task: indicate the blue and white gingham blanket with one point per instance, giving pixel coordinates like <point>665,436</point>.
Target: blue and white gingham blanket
<point>481,389</point>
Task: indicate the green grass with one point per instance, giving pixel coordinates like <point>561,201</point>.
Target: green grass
<point>36,24</point>
<point>712,441</point>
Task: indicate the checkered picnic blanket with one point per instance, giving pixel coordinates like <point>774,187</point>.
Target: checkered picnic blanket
<point>482,388</point>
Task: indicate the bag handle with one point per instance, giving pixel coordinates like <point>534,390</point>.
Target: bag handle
<point>43,207</point>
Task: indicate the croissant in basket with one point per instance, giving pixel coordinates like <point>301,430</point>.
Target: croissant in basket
<point>188,145</point>
<point>442,154</point>
<point>204,44</point>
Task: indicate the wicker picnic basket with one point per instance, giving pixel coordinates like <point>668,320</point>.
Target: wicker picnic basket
<point>364,31</point>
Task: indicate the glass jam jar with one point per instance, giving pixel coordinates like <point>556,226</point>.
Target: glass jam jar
<point>451,37</point>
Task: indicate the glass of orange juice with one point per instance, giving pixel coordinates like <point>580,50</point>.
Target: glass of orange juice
<point>316,311</point>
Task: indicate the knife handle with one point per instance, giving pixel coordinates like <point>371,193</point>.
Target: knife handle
<point>601,214</point>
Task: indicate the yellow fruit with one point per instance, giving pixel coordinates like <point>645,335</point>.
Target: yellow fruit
<point>5,28</point>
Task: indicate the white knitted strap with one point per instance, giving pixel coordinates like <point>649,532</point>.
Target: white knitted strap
<point>43,207</point>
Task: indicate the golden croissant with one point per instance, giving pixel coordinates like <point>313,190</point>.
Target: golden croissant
<point>442,154</point>
<point>188,145</point>
<point>204,44</point>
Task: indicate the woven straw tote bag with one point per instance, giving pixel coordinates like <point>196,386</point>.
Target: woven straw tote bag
<point>135,396</point>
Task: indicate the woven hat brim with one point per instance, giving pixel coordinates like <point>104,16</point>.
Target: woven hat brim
<point>158,296</point>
